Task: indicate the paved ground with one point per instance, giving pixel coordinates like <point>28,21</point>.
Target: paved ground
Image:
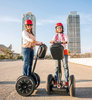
<point>9,71</point>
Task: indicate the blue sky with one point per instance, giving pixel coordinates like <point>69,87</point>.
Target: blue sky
<point>48,13</point>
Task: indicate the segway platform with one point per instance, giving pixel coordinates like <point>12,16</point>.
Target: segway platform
<point>61,90</point>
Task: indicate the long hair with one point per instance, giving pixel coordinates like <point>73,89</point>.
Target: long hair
<point>31,32</point>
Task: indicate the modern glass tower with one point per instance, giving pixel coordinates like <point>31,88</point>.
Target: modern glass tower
<point>30,16</point>
<point>73,31</point>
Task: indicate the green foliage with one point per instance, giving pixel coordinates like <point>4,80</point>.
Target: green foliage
<point>2,56</point>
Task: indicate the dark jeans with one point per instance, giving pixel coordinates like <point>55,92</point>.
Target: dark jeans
<point>65,66</point>
<point>28,55</point>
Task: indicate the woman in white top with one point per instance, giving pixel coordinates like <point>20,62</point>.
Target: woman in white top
<point>29,42</point>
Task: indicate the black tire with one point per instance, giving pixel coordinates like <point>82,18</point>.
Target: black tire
<point>49,83</point>
<point>72,85</point>
<point>25,85</point>
<point>20,77</point>
<point>36,79</point>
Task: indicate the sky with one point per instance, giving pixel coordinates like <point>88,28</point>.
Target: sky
<point>47,13</point>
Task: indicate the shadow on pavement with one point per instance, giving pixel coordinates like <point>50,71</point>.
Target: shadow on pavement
<point>81,92</point>
<point>41,92</point>
<point>42,82</point>
<point>84,92</point>
<point>77,81</point>
<point>13,82</point>
<point>7,82</point>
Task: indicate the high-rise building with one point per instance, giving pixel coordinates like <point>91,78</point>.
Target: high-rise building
<point>30,16</point>
<point>73,31</point>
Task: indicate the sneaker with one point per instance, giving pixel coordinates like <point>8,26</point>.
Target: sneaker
<point>55,83</point>
<point>66,83</point>
<point>58,86</point>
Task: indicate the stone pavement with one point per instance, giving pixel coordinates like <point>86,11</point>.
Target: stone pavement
<point>10,70</point>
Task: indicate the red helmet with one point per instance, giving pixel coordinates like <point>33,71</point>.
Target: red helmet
<point>28,22</point>
<point>58,24</point>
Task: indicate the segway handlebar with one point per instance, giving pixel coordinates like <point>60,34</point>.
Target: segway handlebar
<point>40,54</point>
<point>57,42</point>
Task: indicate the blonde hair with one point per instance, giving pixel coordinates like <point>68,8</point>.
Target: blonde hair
<point>31,32</point>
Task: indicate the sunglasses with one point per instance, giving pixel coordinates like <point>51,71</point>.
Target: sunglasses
<point>59,27</point>
<point>29,24</point>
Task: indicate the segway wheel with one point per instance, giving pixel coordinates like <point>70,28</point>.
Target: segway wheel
<point>49,83</point>
<point>19,77</point>
<point>72,85</point>
<point>25,85</point>
<point>36,79</point>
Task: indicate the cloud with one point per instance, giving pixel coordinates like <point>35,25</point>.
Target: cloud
<point>53,20</point>
<point>9,19</point>
<point>84,19</point>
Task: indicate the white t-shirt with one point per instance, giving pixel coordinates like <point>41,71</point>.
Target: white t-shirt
<point>25,37</point>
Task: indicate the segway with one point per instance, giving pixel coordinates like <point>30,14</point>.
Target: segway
<point>25,85</point>
<point>57,52</point>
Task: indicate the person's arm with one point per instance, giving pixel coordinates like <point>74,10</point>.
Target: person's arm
<point>38,43</point>
<point>66,39</point>
<point>52,42</point>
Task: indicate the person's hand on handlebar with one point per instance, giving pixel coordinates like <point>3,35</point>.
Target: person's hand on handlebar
<point>52,42</point>
<point>64,42</point>
<point>39,43</point>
